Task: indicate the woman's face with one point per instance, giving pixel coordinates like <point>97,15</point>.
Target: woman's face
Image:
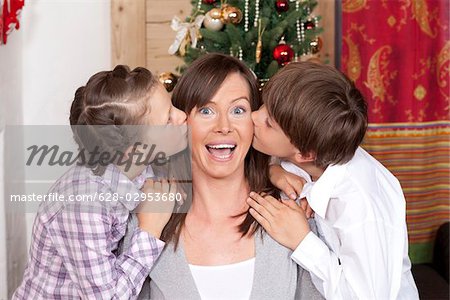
<point>222,130</point>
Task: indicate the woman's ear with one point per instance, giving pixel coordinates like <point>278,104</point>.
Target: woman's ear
<point>302,158</point>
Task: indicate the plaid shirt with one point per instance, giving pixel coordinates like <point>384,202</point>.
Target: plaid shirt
<point>72,254</point>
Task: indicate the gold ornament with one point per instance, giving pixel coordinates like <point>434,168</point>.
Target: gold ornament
<point>231,14</point>
<point>259,44</point>
<point>316,45</point>
<point>168,80</point>
<point>212,24</point>
<point>215,13</point>
<point>258,51</point>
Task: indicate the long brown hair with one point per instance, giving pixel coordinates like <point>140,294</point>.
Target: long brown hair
<point>196,88</point>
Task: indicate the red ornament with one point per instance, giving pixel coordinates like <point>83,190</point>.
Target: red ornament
<point>209,1</point>
<point>283,54</point>
<point>308,25</point>
<point>282,6</point>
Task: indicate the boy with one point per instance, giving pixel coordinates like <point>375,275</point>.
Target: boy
<point>314,119</point>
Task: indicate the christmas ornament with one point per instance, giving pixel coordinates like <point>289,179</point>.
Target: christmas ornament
<point>231,14</point>
<point>215,13</point>
<point>209,1</point>
<point>282,6</point>
<point>186,32</point>
<point>259,44</point>
<point>316,45</point>
<point>309,24</point>
<point>169,80</point>
<point>283,53</point>
<point>212,24</point>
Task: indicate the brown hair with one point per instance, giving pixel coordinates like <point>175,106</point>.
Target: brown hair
<point>319,109</point>
<point>196,88</point>
<point>110,99</point>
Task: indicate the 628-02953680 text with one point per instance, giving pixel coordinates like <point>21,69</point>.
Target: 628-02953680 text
<point>102,197</point>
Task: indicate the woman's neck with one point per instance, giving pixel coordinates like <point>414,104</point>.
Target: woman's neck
<point>218,199</point>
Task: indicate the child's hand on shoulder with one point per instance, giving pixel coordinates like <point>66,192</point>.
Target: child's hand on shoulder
<point>284,221</point>
<point>154,213</point>
<point>288,183</point>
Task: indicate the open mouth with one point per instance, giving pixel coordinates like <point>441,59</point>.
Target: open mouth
<point>221,151</point>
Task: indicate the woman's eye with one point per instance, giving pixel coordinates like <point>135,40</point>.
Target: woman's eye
<point>239,110</point>
<point>205,111</point>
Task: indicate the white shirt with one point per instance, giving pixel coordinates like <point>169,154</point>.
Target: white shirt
<point>233,281</point>
<point>360,213</point>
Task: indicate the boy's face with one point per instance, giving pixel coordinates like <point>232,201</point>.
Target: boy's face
<point>269,138</point>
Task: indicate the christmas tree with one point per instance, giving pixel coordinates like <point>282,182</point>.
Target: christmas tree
<point>265,34</point>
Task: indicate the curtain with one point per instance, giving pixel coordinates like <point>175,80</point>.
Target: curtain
<point>398,54</point>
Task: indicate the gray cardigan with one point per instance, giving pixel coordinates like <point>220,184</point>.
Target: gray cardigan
<point>276,275</point>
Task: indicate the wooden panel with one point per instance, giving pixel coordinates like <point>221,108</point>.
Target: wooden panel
<point>326,9</point>
<point>159,34</point>
<point>162,11</point>
<point>128,32</point>
<point>158,41</point>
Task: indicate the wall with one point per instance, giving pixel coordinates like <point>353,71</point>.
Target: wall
<point>10,113</point>
<point>60,44</point>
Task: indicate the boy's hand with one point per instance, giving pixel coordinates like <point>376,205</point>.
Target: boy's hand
<point>154,213</point>
<point>285,221</point>
<point>289,183</point>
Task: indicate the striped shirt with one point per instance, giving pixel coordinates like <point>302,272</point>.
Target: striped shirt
<point>74,243</point>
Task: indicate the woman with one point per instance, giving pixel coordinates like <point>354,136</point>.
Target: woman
<point>217,250</point>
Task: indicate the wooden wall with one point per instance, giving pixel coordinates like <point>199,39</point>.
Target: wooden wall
<point>141,32</point>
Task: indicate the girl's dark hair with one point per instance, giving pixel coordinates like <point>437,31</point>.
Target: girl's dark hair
<point>196,88</point>
<point>109,100</point>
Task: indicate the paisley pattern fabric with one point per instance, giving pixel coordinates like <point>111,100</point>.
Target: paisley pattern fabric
<point>398,53</point>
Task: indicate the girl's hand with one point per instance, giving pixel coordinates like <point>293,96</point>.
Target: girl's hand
<point>284,221</point>
<point>306,208</point>
<point>288,183</point>
<point>155,211</point>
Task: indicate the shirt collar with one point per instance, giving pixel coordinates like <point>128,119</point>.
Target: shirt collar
<point>318,193</point>
<point>322,190</point>
<point>123,186</point>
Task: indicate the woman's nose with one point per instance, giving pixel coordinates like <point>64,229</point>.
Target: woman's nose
<point>223,124</point>
<point>178,117</point>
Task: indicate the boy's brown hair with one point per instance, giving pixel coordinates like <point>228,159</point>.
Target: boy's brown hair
<point>319,109</point>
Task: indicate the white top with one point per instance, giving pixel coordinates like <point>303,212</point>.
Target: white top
<point>233,281</point>
<point>360,213</point>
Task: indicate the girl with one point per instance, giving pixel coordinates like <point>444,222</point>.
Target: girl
<point>73,250</point>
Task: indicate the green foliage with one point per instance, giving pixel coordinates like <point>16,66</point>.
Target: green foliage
<point>233,38</point>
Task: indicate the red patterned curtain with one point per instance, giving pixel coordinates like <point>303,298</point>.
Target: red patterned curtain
<point>398,53</point>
